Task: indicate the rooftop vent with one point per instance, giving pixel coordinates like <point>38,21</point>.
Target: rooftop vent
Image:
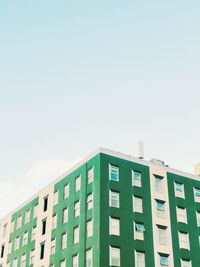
<point>158,162</point>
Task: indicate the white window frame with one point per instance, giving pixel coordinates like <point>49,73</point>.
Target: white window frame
<point>65,215</point>
<point>114,226</point>
<point>159,187</point>
<point>184,240</point>
<point>90,201</point>
<point>78,183</point>
<point>76,235</point>
<point>138,235</point>
<point>160,213</point>
<point>89,257</point>
<point>113,196</point>
<point>89,228</point>
<point>181,214</point>
<point>116,172</point>
<point>114,259</point>
<point>183,262</point>
<point>55,198</point>
<point>64,240</point>
<point>77,209</point>
<point>75,261</point>
<point>136,182</point>
<point>179,193</point>
<point>53,246</point>
<point>140,263</point>
<point>66,191</point>
<point>162,235</point>
<point>196,196</point>
<point>90,175</point>
<point>137,204</point>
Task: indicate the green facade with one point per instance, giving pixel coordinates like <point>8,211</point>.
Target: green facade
<point>100,213</point>
<point>191,227</point>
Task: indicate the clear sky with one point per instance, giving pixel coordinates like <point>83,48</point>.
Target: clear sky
<point>76,75</point>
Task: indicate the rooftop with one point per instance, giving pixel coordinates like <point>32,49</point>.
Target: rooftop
<point>114,154</point>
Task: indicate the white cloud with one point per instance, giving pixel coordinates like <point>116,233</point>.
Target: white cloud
<point>39,175</point>
<point>11,195</point>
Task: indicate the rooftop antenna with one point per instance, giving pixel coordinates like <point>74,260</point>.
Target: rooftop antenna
<point>141,150</point>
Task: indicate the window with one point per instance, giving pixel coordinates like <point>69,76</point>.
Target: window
<point>77,183</point>
<point>139,259</point>
<point>44,223</point>
<point>76,235</point>
<point>34,211</point>
<point>113,173</point>
<point>114,226</point>
<point>2,250</point>
<point>23,261</point>
<point>90,175</point>
<point>25,240</point>
<point>42,251</point>
<point>17,242</point>
<point>137,204</point>
<point>9,247</point>
<point>53,243</point>
<point>45,204</point>
<point>63,263</point>
<point>89,228</point>
<point>164,261</point>
<point>5,229</point>
<point>32,257</point>
<point>65,215</point>
<point>12,226</point>
<point>113,199</point>
<point>158,184</point>
<point>160,208</point>
<point>15,262</point>
<point>181,215</point>
<point>139,231</point>
<point>33,233</point>
<point>197,194</point>
<point>198,218</point>
<point>77,209</point>
<point>185,263</point>
<point>75,261</point>
<point>184,240</point>
<point>19,221</point>
<point>54,221</point>
<point>114,256</point>
<point>136,179</point>
<point>89,258</point>
<point>64,241</point>
<point>27,216</point>
<point>66,191</point>
<point>55,199</point>
<point>179,190</point>
<point>162,235</point>
<point>90,201</point>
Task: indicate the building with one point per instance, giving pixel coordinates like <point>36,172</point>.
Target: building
<point>197,169</point>
<point>109,210</point>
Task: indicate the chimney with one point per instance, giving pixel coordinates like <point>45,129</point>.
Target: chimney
<point>197,169</point>
<point>141,150</point>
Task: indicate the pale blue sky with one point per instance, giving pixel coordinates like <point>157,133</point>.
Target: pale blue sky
<point>76,75</point>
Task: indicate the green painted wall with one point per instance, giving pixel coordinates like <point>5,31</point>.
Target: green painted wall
<point>125,241</point>
<point>85,243</point>
<point>101,239</point>
<point>191,227</point>
<point>25,227</point>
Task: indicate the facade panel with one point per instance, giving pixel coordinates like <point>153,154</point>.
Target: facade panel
<point>110,210</point>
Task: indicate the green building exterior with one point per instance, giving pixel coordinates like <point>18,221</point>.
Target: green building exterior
<point>109,210</point>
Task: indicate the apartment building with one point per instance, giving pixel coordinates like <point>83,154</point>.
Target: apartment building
<point>109,210</point>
